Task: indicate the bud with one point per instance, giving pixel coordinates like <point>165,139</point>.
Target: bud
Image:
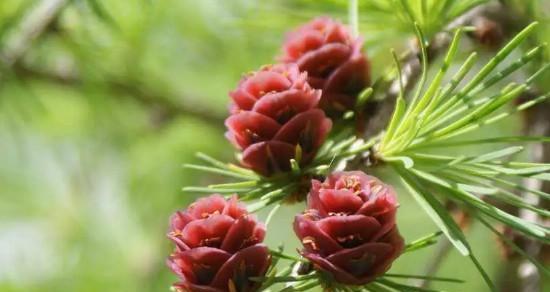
<point>218,246</point>
<point>488,32</point>
<point>333,59</point>
<point>349,229</point>
<point>274,119</point>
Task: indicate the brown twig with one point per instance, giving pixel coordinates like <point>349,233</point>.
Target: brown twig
<point>435,262</point>
<point>411,68</point>
<point>535,123</point>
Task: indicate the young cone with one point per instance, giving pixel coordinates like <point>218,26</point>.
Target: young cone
<point>349,229</point>
<point>218,247</point>
<point>333,59</point>
<point>274,118</point>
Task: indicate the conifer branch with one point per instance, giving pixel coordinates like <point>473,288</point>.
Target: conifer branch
<point>410,74</point>
<point>411,67</point>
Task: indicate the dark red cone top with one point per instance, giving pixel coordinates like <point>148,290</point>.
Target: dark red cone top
<point>332,57</point>
<point>349,229</point>
<point>274,118</point>
<point>218,247</point>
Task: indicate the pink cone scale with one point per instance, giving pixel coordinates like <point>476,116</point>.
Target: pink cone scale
<point>274,118</point>
<point>218,247</point>
<point>333,59</point>
<point>349,229</point>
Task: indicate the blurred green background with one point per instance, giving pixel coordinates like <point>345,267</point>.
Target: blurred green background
<point>99,112</point>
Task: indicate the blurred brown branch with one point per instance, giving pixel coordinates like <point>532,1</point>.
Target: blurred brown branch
<point>35,23</point>
<point>164,108</point>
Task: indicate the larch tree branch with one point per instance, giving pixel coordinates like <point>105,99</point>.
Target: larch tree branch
<point>502,19</point>
<point>412,69</point>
